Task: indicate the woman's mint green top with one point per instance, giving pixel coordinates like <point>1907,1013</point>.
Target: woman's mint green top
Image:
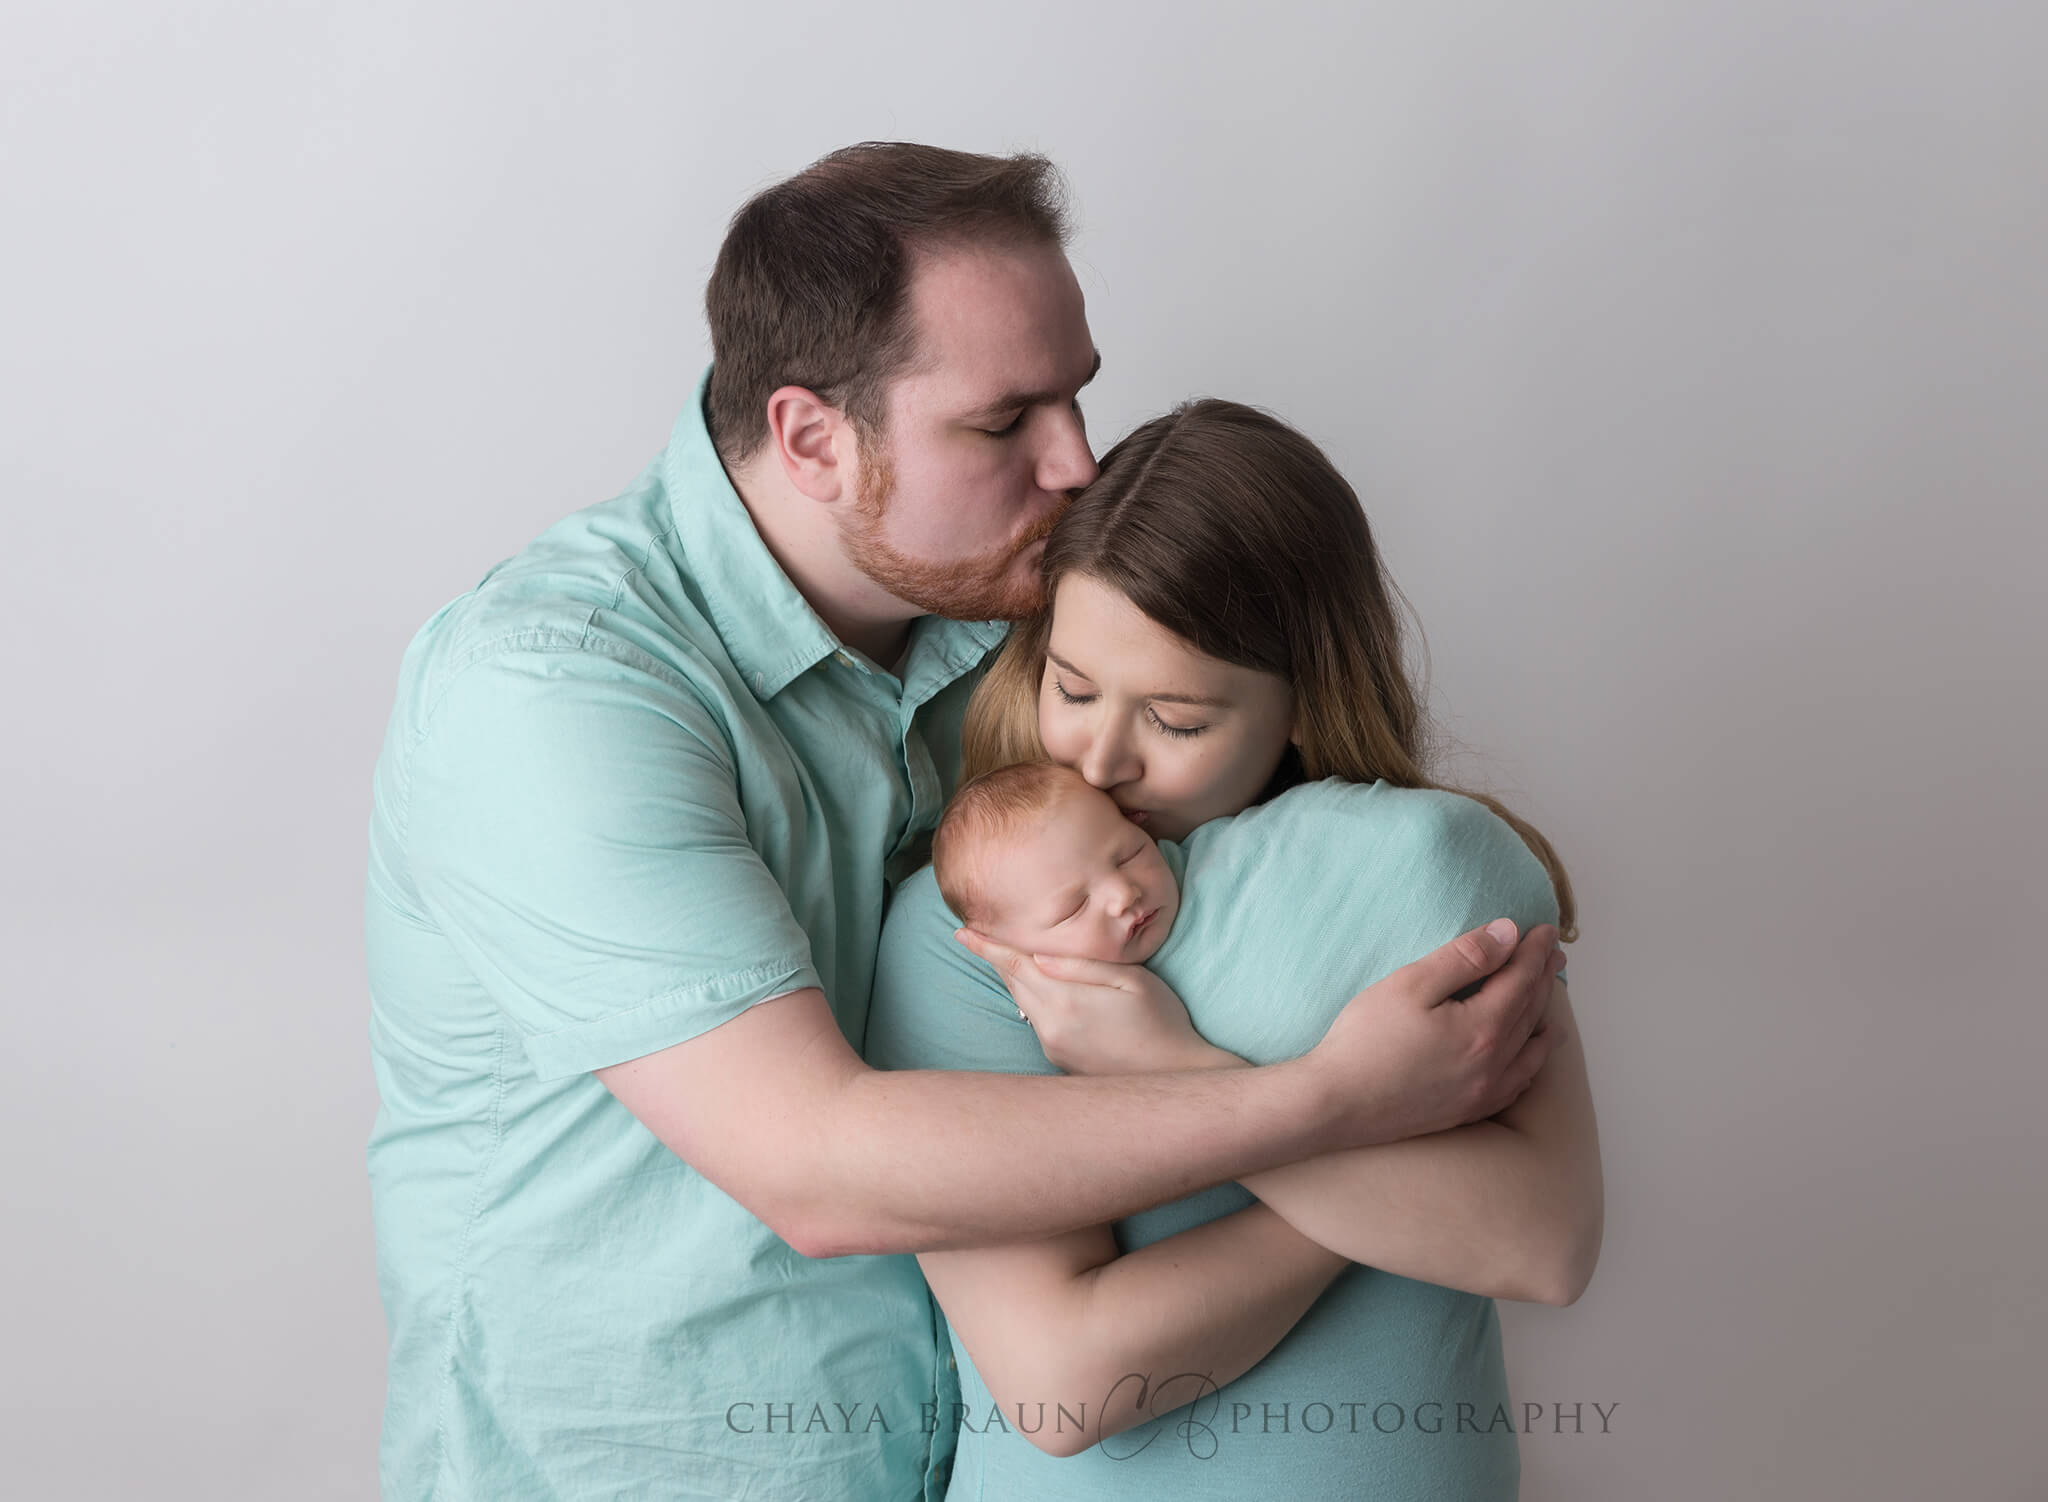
<point>1388,1388</point>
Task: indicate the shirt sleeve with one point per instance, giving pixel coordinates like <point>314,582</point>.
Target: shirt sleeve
<point>574,828</point>
<point>936,1004</point>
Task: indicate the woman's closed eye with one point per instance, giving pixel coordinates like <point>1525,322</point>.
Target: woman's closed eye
<point>1151,714</point>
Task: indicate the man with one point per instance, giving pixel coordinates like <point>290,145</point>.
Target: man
<point>642,797</point>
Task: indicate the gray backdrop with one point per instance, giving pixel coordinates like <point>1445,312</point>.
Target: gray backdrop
<point>1689,358</point>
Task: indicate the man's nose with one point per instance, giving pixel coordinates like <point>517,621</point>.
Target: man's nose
<point>1071,463</point>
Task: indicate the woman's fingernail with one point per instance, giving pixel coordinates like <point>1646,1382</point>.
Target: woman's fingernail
<point>1501,931</point>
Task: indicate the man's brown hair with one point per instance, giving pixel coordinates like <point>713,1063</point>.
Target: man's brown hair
<point>811,287</point>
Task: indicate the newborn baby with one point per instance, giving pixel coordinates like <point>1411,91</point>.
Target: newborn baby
<point>1037,859</point>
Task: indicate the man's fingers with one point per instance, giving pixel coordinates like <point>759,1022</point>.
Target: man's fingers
<point>1465,961</point>
<point>1516,994</point>
<point>1529,1062</point>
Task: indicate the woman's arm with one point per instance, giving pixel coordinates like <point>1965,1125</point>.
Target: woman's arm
<point>1105,1342</point>
<point>1511,1207</point>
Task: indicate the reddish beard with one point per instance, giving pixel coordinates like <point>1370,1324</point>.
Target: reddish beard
<point>983,587</point>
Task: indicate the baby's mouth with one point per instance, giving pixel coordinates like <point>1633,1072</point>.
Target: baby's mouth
<point>1135,815</point>
<point>1140,926</point>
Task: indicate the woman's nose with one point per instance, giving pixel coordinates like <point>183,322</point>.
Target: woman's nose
<point>1107,761</point>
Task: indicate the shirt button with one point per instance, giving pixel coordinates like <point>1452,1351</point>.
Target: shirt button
<point>845,659</point>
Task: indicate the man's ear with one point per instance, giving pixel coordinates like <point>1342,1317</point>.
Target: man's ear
<point>811,439</point>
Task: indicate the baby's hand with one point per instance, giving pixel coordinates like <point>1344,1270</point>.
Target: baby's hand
<point>1094,1017</point>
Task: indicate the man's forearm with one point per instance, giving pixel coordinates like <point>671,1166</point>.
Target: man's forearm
<point>923,1160</point>
<point>776,1109</point>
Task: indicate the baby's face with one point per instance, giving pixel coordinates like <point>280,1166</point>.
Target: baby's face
<point>1085,882</point>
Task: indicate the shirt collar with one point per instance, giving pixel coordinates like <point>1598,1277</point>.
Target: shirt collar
<point>769,629</point>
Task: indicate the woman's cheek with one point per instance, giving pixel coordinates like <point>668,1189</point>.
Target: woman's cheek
<point>1053,732</point>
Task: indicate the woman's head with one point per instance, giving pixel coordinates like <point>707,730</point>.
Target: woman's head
<point>1222,555</point>
<point>1219,556</point>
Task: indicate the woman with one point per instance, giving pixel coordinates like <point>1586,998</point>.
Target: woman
<point>1220,632</point>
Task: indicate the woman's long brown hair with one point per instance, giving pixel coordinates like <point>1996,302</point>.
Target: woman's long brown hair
<point>1234,532</point>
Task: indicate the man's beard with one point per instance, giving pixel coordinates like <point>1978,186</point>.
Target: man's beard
<point>984,587</point>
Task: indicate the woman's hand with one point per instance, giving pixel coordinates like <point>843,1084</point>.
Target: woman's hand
<point>1093,1017</point>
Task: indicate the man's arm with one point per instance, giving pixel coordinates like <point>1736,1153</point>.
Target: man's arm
<point>573,826</point>
<point>776,1109</point>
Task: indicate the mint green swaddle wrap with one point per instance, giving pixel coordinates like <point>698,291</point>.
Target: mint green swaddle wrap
<point>1388,1388</point>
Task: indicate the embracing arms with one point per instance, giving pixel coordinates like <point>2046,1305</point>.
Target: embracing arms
<point>1508,1207</point>
<point>572,826</point>
<point>1511,1207</point>
<point>1065,1321</point>
<point>775,1108</point>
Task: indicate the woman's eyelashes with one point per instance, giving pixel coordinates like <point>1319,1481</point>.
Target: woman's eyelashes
<point>1153,715</point>
<point>1150,713</point>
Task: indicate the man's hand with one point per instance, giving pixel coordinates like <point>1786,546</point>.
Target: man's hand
<point>1093,1017</point>
<point>1404,1058</point>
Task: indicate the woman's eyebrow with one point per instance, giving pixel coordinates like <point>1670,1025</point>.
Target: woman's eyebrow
<point>1199,701</point>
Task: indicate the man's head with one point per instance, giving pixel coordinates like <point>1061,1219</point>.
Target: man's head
<point>1035,858</point>
<point>896,332</point>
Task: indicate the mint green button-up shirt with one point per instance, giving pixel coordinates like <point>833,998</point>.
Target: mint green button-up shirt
<point>633,785</point>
